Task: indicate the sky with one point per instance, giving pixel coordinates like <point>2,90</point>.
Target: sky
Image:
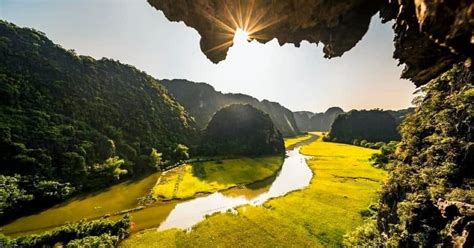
<point>134,33</point>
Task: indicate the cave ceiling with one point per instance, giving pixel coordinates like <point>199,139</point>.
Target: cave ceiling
<point>429,36</point>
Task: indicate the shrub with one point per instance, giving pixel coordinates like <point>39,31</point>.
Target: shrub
<point>102,241</point>
<point>366,235</point>
<point>97,231</point>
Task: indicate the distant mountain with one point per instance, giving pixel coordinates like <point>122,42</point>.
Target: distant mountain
<point>241,130</point>
<point>308,121</point>
<point>70,123</point>
<point>201,100</point>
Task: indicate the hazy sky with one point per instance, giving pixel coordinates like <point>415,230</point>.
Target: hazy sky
<point>299,78</point>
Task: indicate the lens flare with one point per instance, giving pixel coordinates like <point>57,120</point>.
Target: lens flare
<point>241,20</point>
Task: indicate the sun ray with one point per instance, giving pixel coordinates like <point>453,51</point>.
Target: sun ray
<point>249,15</point>
<point>256,22</point>
<point>221,46</point>
<point>231,17</point>
<point>262,26</point>
<point>220,23</point>
<point>240,19</point>
<point>239,13</point>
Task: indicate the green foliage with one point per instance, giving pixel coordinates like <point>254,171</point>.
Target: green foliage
<point>181,152</point>
<point>315,216</point>
<point>97,233</point>
<point>203,101</point>
<point>53,190</point>
<point>366,235</point>
<point>102,241</point>
<point>155,159</point>
<point>382,159</point>
<point>74,121</point>
<point>369,125</point>
<point>432,161</point>
<point>11,195</point>
<point>189,180</point>
<point>241,130</point>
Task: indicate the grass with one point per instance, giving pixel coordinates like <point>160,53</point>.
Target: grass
<point>116,198</point>
<point>205,177</point>
<point>318,216</point>
<point>295,140</point>
<point>199,177</point>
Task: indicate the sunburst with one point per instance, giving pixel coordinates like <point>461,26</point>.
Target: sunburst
<point>240,20</point>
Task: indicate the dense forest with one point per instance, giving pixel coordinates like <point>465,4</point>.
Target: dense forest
<point>308,121</point>
<point>364,125</point>
<point>71,123</point>
<point>241,130</point>
<point>425,201</point>
<point>201,100</point>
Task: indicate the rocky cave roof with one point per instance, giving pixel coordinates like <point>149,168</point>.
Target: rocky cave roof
<point>429,35</point>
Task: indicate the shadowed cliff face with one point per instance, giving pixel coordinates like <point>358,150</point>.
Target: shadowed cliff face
<point>339,25</point>
<point>430,35</point>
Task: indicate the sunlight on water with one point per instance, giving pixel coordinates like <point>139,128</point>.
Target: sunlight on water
<point>295,174</point>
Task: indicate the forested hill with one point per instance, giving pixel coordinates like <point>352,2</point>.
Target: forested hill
<point>202,101</point>
<point>241,130</point>
<point>69,123</point>
<point>370,125</point>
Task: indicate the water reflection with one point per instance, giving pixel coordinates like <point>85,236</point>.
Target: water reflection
<point>294,174</point>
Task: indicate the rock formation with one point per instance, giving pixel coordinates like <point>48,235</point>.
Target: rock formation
<point>430,35</point>
<point>202,101</point>
<point>241,130</point>
<point>308,121</point>
<point>461,218</point>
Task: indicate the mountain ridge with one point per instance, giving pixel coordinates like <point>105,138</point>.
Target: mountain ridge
<point>202,101</point>
<point>71,123</point>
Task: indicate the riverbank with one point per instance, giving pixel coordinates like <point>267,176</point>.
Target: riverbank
<point>123,196</point>
<point>212,176</point>
<point>318,216</point>
<point>190,180</point>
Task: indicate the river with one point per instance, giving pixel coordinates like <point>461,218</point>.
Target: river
<point>293,175</point>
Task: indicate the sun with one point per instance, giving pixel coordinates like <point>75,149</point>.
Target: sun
<point>241,36</point>
<point>241,21</point>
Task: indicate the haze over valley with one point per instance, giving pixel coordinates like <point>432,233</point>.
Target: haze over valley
<point>247,123</point>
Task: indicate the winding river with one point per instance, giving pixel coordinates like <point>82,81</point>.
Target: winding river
<point>294,175</point>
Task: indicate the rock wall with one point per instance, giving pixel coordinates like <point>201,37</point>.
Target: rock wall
<point>430,35</point>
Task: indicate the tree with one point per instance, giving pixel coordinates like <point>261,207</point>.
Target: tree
<point>155,159</point>
<point>371,125</point>
<point>181,152</point>
<point>11,195</point>
<point>386,153</point>
<point>432,162</point>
